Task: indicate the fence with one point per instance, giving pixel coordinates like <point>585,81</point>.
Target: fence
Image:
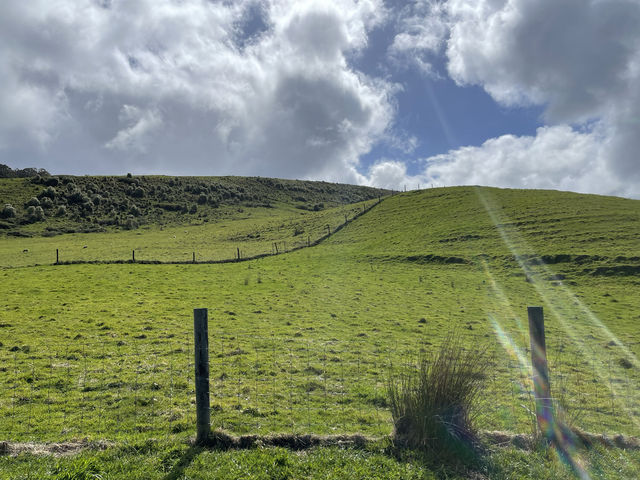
<point>123,387</point>
<point>227,252</point>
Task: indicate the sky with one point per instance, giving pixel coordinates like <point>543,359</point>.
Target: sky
<point>396,94</point>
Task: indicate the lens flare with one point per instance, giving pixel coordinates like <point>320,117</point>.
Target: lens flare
<point>556,302</point>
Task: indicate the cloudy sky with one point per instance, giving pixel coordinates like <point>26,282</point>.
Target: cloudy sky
<point>510,93</point>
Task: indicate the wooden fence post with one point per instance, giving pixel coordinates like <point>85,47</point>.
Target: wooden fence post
<point>238,253</point>
<point>308,240</point>
<point>201,346</point>
<point>133,256</point>
<point>194,257</point>
<point>57,258</point>
<point>541,387</point>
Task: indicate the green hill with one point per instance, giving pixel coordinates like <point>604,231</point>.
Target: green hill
<point>50,205</point>
<point>303,342</point>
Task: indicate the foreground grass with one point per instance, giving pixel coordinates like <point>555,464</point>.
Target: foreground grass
<point>162,460</point>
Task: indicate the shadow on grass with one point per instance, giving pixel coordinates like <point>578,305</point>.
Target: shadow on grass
<point>183,462</point>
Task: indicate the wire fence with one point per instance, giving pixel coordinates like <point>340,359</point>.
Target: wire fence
<point>111,388</point>
<point>249,246</point>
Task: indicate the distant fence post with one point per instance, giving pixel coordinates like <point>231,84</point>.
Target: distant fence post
<point>57,258</point>
<point>542,389</point>
<point>201,346</point>
<point>194,257</point>
<point>238,253</point>
<point>133,256</point>
<point>308,240</point>
<point>328,229</point>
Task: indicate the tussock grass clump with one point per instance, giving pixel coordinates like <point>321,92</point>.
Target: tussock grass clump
<point>434,405</point>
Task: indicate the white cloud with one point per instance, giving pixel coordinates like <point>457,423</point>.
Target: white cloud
<point>422,32</point>
<point>555,158</point>
<point>141,125</point>
<point>242,87</point>
<point>578,58</point>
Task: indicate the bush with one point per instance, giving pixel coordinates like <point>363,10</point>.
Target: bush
<point>8,211</point>
<point>202,199</point>
<point>46,202</point>
<point>77,197</point>
<point>61,211</point>
<point>130,223</point>
<point>135,211</point>
<point>138,192</point>
<point>433,407</point>
<point>33,202</point>
<point>51,182</point>
<point>35,214</point>
<point>49,192</point>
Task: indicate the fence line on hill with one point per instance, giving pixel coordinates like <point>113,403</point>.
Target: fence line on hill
<point>191,258</point>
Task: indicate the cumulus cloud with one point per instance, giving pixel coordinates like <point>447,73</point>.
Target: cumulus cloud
<point>580,59</point>
<point>242,87</point>
<point>421,34</point>
<point>556,157</point>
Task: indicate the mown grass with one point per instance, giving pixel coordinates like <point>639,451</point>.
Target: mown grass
<point>303,342</point>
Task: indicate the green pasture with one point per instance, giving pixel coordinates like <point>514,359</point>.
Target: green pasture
<point>305,342</point>
<point>253,230</point>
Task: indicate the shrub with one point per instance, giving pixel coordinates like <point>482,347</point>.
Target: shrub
<point>46,202</point>
<point>33,202</point>
<point>49,192</point>
<point>61,211</point>
<point>202,199</point>
<point>193,209</point>
<point>138,192</point>
<point>130,223</point>
<point>8,211</point>
<point>76,196</point>
<point>35,214</point>
<point>135,211</point>
<point>51,182</point>
<point>433,406</point>
<point>87,208</point>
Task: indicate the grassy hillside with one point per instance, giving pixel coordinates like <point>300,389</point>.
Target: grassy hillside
<point>303,342</point>
<point>68,204</point>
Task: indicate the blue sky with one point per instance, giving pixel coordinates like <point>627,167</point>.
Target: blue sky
<point>509,93</point>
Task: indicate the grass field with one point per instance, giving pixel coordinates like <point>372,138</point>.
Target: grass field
<point>303,342</point>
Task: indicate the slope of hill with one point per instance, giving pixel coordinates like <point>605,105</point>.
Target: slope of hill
<point>67,204</point>
<point>472,221</point>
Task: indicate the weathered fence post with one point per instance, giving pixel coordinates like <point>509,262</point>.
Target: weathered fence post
<point>541,387</point>
<point>133,256</point>
<point>238,253</point>
<point>57,258</point>
<point>308,240</point>
<point>194,257</point>
<point>201,346</point>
